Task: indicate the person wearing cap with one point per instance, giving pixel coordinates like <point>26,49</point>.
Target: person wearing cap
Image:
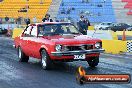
<point>87,23</point>
<point>47,18</point>
<point>82,25</point>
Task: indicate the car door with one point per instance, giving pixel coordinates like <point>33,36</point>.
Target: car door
<point>25,38</point>
<point>33,43</point>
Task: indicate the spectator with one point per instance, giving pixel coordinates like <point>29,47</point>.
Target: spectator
<point>19,20</point>
<point>62,20</point>
<point>34,19</point>
<point>6,19</point>
<point>82,25</point>
<point>72,8</point>
<point>62,4</point>
<point>0,20</point>
<point>104,1</point>
<point>27,21</point>
<point>63,11</point>
<point>56,20</point>
<point>47,18</point>
<point>99,5</point>
<point>69,10</point>
<point>15,20</point>
<point>85,1</point>
<point>99,14</point>
<point>87,23</point>
<point>12,20</point>
<point>81,12</point>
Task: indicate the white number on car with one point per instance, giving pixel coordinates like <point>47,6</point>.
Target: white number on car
<point>79,56</point>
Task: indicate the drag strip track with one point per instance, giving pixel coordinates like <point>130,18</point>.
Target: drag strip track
<point>14,74</point>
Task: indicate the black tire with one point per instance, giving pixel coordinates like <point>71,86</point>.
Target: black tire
<point>93,62</point>
<point>45,60</point>
<point>22,57</point>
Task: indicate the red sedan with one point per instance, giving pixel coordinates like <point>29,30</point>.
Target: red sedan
<point>57,41</point>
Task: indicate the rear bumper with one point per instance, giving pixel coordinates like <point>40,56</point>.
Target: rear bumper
<point>69,53</point>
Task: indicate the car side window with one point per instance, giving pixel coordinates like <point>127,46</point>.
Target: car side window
<point>34,31</point>
<point>27,31</point>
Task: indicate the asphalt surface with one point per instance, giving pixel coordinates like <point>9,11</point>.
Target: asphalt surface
<point>14,74</point>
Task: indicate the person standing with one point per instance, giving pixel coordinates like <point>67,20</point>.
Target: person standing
<point>82,25</point>
<point>56,20</point>
<point>87,23</point>
<point>27,20</point>
<point>19,20</point>
<point>6,19</point>
<point>47,18</point>
<point>34,19</point>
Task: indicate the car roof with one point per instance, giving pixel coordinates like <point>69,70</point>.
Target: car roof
<point>50,23</point>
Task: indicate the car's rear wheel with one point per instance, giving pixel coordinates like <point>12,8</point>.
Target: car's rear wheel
<point>45,60</point>
<point>93,62</point>
<point>21,55</point>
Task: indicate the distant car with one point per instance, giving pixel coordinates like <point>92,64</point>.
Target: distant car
<point>129,29</point>
<point>102,26</point>
<point>56,41</point>
<point>3,31</point>
<point>118,27</point>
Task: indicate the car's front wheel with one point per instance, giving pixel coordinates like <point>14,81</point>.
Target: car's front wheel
<point>45,60</point>
<point>93,62</point>
<point>21,55</point>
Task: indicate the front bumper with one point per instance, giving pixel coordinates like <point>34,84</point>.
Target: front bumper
<point>68,53</point>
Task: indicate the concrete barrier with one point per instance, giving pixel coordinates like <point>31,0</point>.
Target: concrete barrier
<point>128,33</point>
<point>102,34</point>
<point>17,32</point>
<point>114,46</point>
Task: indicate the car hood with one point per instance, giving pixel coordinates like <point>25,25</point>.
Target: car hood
<point>72,39</point>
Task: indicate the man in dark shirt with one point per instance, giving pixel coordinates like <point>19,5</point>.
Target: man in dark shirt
<point>47,18</point>
<point>82,25</point>
<point>87,23</point>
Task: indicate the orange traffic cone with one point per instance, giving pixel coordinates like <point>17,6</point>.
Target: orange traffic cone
<point>124,36</point>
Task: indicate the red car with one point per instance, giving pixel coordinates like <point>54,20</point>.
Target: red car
<point>57,41</point>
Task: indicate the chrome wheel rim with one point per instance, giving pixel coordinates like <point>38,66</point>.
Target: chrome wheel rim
<point>19,53</point>
<point>44,60</point>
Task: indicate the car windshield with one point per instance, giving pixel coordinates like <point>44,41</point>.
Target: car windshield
<point>57,29</point>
